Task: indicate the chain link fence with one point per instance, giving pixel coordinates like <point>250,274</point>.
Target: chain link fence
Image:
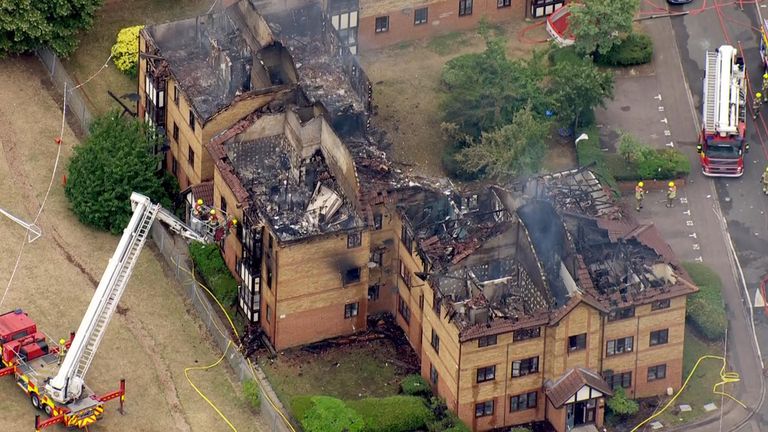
<point>61,80</point>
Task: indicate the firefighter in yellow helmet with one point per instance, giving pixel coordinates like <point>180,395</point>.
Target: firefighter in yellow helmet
<point>764,179</point>
<point>62,350</point>
<point>639,195</point>
<point>213,219</point>
<point>671,194</point>
<point>756,104</point>
<point>765,86</point>
<point>198,209</point>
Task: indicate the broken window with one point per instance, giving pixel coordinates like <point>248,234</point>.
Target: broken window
<point>522,402</point>
<point>269,275</point>
<point>175,132</point>
<point>465,7</point>
<point>354,240</point>
<point>377,221</point>
<point>657,372</point>
<point>407,238</point>
<point>420,16</point>
<point>403,309</point>
<point>176,94</point>
<point>191,157</point>
<point>484,409</point>
<point>373,292</point>
<point>618,346</point>
<point>405,275</point>
<point>471,202</point>
<point>436,303</point>
<point>577,342</point>
<point>350,310</point>
<point>268,313</point>
<point>191,120</point>
<point>503,3</point>
<point>485,341</point>
<point>525,367</point>
<point>623,379</point>
<point>435,341</point>
<point>660,304</point>
<point>352,276</point>
<point>377,257</point>
<point>659,337</point>
<point>174,165</point>
<point>223,205</point>
<point>620,314</point>
<point>382,24</point>
<point>525,334</point>
<point>487,373</point>
<point>433,376</point>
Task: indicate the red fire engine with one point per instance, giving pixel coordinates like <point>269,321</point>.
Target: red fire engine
<point>722,143</point>
<point>52,374</point>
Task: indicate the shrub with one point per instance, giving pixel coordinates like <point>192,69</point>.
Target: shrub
<point>663,165</point>
<point>519,429</point>
<point>634,49</point>
<point>621,405</point>
<point>300,405</point>
<point>331,414</point>
<point>415,385</point>
<point>210,264</point>
<point>125,52</point>
<point>706,309</point>
<point>252,394</point>
<point>589,152</point>
<point>445,420</point>
<point>564,54</point>
<point>393,414</point>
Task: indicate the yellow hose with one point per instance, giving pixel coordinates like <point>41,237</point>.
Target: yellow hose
<point>186,374</point>
<point>726,377</point>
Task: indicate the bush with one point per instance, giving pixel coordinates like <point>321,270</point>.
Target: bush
<point>634,49</point>
<point>664,165</point>
<point>706,309</point>
<point>621,405</point>
<point>589,152</point>
<point>454,168</point>
<point>210,264</point>
<point>125,52</point>
<point>252,394</point>
<point>393,414</point>
<point>331,414</point>
<point>300,405</point>
<point>415,385</point>
<point>519,429</point>
<point>564,54</point>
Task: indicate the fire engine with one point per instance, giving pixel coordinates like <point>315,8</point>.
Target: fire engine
<point>722,143</point>
<point>52,374</point>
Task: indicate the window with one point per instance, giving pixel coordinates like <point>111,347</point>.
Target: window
<point>486,341</point>
<point>486,374</point>
<point>660,304</point>
<point>420,16</point>
<point>269,275</point>
<point>523,334</point>
<point>503,3</point>
<point>191,157</point>
<point>350,310</point>
<point>354,240</point>
<point>175,132</point>
<point>433,376</point>
<point>465,7</point>
<point>620,314</point>
<point>268,313</point>
<point>622,379</point>
<point>351,276</point>
<point>223,205</point>
<point>435,341</point>
<point>484,409</point>
<point>192,120</point>
<point>377,257</point>
<point>406,238</point>
<point>659,337</point>
<point>405,275</point>
<point>618,346</point>
<point>382,24</point>
<point>421,301</point>
<point>403,309</point>
<point>525,367</point>
<point>577,342</point>
<point>522,402</point>
<point>174,165</point>
<point>377,221</point>
<point>436,303</point>
<point>176,94</point>
<point>373,292</point>
<point>657,372</point>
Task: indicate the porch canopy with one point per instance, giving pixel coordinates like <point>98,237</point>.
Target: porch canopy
<point>577,385</point>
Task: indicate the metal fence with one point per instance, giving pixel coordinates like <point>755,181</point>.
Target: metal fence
<point>174,249</point>
<point>61,80</point>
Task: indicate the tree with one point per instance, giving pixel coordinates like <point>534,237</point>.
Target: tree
<point>125,52</point>
<point>577,87</point>
<point>28,24</point>
<point>621,405</point>
<point>512,150</point>
<point>631,149</point>
<point>598,25</point>
<point>331,415</point>
<point>115,160</point>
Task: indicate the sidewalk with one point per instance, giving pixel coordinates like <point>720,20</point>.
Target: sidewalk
<point>658,107</point>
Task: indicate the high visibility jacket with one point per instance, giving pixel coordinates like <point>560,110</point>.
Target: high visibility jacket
<point>639,192</point>
<point>672,192</point>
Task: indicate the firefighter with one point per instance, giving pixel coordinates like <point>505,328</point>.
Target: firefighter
<point>756,104</point>
<point>671,194</point>
<point>62,350</point>
<point>764,180</point>
<point>639,195</point>
<point>198,210</point>
<point>765,87</point>
<point>213,220</point>
<point>232,224</point>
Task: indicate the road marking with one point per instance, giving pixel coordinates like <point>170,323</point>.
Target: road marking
<point>670,144</point>
<point>696,246</point>
<point>664,120</point>
<point>689,223</point>
<point>658,97</point>
<point>661,109</point>
<point>693,235</point>
<point>667,133</point>
<point>687,212</point>
<point>699,259</point>
<point>685,201</point>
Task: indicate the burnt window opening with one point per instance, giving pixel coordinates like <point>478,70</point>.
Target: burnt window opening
<point>657,372</point>
<point>659,337</point>
<point>435,342</point>
<point>471,203</point>
<point>407,238</point>
<point>503,3</point>
<point>525,334</point>
<point>433,376</point>
<point>620,314</point>
<point>619,346</point>
<point>373,292</point>
<point>175,132</point>
<point>269,275</point>
<point>660,304</point>
<point>484,409</point>
<point>522,402</point>
<point>405,275</point>
<point>350,310</point>
<point>176,94</point>
<point>382,24</point>
<point>420,16</point>
<point>465,7</point>
<point>377,221</point>
<point>354,240</point>
<point>525,367</point>
<point>577,342</point>
<point>191,157</point>
<point>618,380</point>
<point>223,206</point>
<point>352,276</point>
<point>485,374</point>
<point>268,313</point>
<point>191,120</point>
<point>377,257</point>
<point>403,309</point>
<point>436,303</point>
<point>487,341</point>
<point>174,165</point>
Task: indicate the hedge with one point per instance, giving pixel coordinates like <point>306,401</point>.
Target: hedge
<point>415,385</point>
<point>634,49</point>
<point>210,265</point>
<point>706,309</point>
<point>588,151</point>
<point>667,164</point>
<point>393,414</point>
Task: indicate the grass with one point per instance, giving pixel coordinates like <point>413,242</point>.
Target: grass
<point>699,390</point>
<point>446,44</point>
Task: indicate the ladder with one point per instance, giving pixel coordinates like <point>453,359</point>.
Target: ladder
<point>710,92</point>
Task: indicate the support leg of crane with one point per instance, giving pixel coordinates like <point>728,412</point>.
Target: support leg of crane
<point>40,425</point>
<point>33,231</point>
<point>122,396</point>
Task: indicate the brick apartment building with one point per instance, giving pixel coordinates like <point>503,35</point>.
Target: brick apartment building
<point>523,306</point>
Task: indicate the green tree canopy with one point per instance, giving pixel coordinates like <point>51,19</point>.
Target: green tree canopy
<point>598,25</point>
<point>621,405</point>
<point>115,160</point>
<point>514,149</point>
<point>577,87</point>
<point>331,415</point>
<point>28,24</point>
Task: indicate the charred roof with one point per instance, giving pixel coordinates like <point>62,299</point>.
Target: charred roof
<point>575,191</point>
